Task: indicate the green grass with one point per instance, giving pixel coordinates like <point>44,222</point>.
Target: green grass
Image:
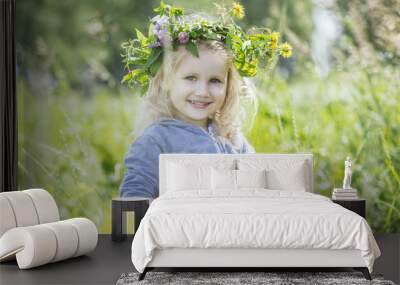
<point>354,114</point>
<point>73,145</point>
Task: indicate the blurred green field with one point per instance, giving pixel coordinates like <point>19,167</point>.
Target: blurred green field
<point>75,119</point>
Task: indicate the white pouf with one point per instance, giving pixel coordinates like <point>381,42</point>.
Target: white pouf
<point>31,232</point>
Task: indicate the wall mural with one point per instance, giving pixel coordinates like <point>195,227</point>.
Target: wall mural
<point>91,125</point>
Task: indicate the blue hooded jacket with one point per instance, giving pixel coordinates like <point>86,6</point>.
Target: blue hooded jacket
<point>169,135</point>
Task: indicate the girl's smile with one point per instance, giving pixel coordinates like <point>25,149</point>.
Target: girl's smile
<point>199,104</point>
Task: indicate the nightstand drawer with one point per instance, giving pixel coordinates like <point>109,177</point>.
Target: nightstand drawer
<point>357,206</point>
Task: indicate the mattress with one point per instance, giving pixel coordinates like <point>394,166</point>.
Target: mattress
<point>250,219</point>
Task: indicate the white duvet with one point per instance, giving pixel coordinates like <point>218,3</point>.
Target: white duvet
<point>251,218</point>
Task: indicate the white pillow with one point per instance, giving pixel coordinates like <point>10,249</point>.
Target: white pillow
<point>282,174</point>
<point>293,179</point>
<point>251,178</point>
<point>223,179</point>
<point>181,177</point>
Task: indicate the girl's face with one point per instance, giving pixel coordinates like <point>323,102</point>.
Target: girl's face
<point>198,86</point>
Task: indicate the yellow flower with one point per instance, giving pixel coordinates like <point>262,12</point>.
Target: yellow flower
<point>274,40</point>
<point>237,10</point>
<point>204,22</point>
<point>286,50</point>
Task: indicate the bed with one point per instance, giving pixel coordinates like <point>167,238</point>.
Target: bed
<point>247,210</point>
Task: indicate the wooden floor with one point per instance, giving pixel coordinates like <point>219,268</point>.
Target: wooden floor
<point>102,266</point>
<point>389,262</point>
<point>110,260</point>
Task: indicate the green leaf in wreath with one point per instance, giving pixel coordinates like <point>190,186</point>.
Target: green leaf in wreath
<point>192,48</point>
<point>212,36</point>
<point>161,9</point>
<point>142,39</point>
<point>228,41</point>
<point>176,11</point>
<point>155,53</point>
<point>156,65</point>
<point>126,77</point>
<point>131,75</point>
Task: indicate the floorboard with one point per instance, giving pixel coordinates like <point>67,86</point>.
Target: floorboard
<point>110,260</point>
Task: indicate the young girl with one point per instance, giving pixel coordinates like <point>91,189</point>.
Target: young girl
<point>193,105</point>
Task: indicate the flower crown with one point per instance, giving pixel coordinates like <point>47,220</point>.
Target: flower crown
<point>143,56</point>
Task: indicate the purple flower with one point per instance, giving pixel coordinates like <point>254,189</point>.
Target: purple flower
<point>156,44</point>
<point>183,38</point>
<point>160,33</point>
<point>180,21</point>
<point>156,28</point>
<point>160,23</point>
<point>160,28</point>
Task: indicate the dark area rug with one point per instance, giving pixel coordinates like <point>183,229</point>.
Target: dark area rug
<point>228,278</point>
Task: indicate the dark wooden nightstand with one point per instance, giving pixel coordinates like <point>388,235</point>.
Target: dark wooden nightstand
<point>120,206</point>
<point>356,205</point>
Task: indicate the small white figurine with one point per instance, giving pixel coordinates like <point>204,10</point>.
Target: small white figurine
<point>347,173</point>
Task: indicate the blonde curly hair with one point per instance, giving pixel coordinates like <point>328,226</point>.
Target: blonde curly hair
<point>229,119</point>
